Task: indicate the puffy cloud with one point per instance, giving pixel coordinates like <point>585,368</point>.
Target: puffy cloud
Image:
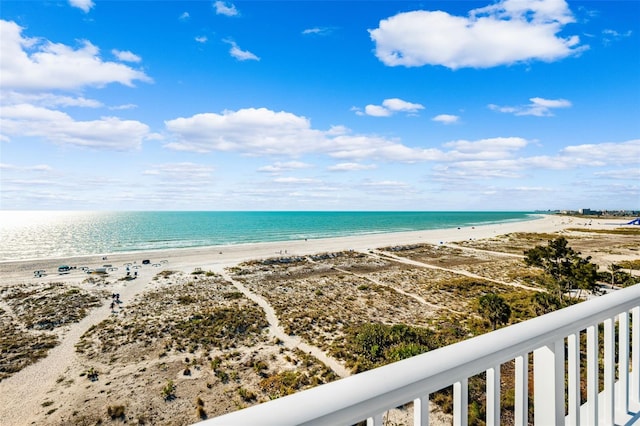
<point>126,56</point>
<point>251,130</point>
<point>389,107</point>
<point>58,127</point>
<point>507,32</point>
<point>34,64</point>
<point>260,131</point>
<point>185,16</point>
<point>377,111</point>
<point>201,39</point>
<point>239,54</point>
<point>85,5</point>
<point>446,118</point>
<point>538,107</point>
<point>224,8</point>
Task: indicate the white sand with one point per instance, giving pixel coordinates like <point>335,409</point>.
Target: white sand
<point>23,393</point>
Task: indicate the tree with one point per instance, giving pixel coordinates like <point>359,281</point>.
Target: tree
<point>494,308</point>
<point>564,268</point>
<point>543,303</point>
<point>614,271</point>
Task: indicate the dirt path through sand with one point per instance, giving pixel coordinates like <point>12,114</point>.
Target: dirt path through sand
<point>277,331</point>
<point>454,271</point>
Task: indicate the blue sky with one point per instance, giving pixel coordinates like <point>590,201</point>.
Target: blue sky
<point>319,105</point>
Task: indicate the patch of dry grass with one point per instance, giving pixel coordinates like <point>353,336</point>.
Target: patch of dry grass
<point>20,347</point>
<point>316,301</point>
<point>204,337</point>
<point>51,306</point>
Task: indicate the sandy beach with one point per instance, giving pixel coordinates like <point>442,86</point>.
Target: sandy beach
<point>57,389</point>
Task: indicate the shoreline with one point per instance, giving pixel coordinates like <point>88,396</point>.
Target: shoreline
<point>194,242</point>
<point>235,253</point>
<point>215,256</point>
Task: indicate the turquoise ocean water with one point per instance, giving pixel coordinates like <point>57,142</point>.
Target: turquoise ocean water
<point>30,235</point>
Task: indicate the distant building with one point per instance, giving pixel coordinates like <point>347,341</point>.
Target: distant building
<point>587,212</point>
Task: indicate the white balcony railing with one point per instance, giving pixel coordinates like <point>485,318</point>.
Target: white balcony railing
<point>612,387</point>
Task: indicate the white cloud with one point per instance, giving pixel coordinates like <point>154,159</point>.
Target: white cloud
<point>36,168</point>
<point>85,5</point>
<point>389,107</point>
<point>201,39</point>
<point>446,118</point>
<point>185,171</point>
<point>184,16</point>
<point>48,100</point>
<point>123,107</point>
<point>296,181</point>
<point>350,167</point>
<point>474,164</point>
<point>43,65</point>
<point>608,153</point>
<point>538,107</point>
<point>126,56</point>
<point>622,174</point>
<point>60,128</point>
<point>377,111</point>
<point>260,131</point>
<point>280,167</point>
<point>387,187</point>
<point>395,104</point>
<point>491,148</point>
<point>317,31</point>
<point>224,8</point>
<point>609,35</point>
<point>239,54</point>
<point>507,32</point>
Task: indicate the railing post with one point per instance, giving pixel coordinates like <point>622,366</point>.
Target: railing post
<point>573,354</point>
<point>375,420</point>
<point>421,411</point>
<point>622,398</point>
<point>522,390</point>
<point>592,374</point>
<point>493,396</point>
<point>609,371</point>
<point>548,382</point>
<point>461,402</point>
<point>635,354</point>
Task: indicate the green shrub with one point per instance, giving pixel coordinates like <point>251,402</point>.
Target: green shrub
<point>169,391</point>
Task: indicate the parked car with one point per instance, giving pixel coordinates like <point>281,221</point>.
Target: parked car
<point>146,262</point>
